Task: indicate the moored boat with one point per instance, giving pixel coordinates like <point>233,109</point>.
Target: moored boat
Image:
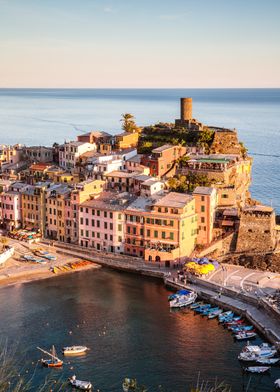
<point>257,369</point>
<point>83,385</point>
<point>268,361</point>
<point>254,352</point>
<point>277,383</point>
<point>54,361</point>
<point>130,384</point>
<point>245,335</point>
<point>182,298</point>
<point>196,305</point>
<point>215,313</point>
<point>74,350</point>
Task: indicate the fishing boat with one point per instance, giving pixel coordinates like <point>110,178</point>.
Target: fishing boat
<point>54,361</point>
<point>225,315</point>
<point>268,361</point>
<point>257,369</point>
<point>74,350</point>
<point>207,311</point>
<point>83,385</point>
<point>182,298</point>
<point>253,353</point>
<point>196,305</point>
<point>201,308</point>
<point>214,314</point>
<point>245,335</point>
<point>242,328</point>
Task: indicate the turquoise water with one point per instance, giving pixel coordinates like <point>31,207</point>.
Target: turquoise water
<point>43,116</point>
<point>126,322</point>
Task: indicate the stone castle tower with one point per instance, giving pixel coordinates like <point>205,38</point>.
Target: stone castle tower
<point>186,119</point>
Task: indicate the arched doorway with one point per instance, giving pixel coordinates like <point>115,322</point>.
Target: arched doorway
<point>157,259</point>
<point>150,258</point>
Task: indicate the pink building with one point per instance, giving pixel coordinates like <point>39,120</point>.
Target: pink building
<point>102,221</point>
<point>10,210</point>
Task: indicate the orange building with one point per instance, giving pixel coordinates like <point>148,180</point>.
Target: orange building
<point>161,161</point>
<point>127,140</point>
<point>205,205</point>
<point>161,228</point>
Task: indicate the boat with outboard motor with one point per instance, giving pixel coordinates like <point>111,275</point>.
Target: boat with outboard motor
<point>79,384</point>
<point>196,305</point>
<point>182,298</point>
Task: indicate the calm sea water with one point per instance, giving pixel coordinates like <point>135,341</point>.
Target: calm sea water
<point>126,322</point>
<point>43,116</point>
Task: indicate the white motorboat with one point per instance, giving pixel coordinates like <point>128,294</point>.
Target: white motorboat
<point>268,361</point>
<point>74,350</point>
<point>182,298</point>
<point>253,353</point>
<point>277,383</point>
<point>257,369</point>
<point>83,385</point>
<point>245,335</point>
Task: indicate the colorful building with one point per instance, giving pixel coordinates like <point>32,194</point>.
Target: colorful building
<point>126,140</point>
<point>102,222</point>
<point>161,228</point>
<point>70,153</point>
<point>205,207</point>
<point>162,160</point>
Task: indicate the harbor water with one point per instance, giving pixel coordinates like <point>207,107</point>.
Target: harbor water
<point>126,322</point>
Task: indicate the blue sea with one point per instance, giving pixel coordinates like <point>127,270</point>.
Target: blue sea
<point>45,116</point>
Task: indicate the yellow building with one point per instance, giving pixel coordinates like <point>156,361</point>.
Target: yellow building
<point>127,140</point>
<point>33,206</point>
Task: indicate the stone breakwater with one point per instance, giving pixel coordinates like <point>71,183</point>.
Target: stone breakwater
<point>258,311</point>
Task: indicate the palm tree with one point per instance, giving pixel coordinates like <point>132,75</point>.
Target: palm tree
<point>128,123</point>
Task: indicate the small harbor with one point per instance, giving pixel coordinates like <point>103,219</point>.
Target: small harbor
<point>112,313</point>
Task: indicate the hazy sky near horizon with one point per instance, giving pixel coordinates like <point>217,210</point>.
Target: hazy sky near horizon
<point>139,43</point>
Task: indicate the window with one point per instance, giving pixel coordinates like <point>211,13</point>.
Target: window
<point>156,234</point>
<point>224,196</point>
<point>141,231</point>
<point>81,221</point>
<point>202,209</point>
<point>119,215</point>
<point>105,214</point>
<point>82,233</point>
<point>171,223</point>
<point>98,234</point>
<point>163,235</point>
<point>111,226</point>
<point>98,223</point>
<point>202,198</point>
<point>111,215</point>
<point>93,212</point>
<point>87,235</point>
<point>171,236</point>
<point>92,222</point>
<point>93,234</point>
<point>134,230</point>
<point>98,213</point>
<point>119,227</point>
<point>148,220</point>
<point>86,221</point>
<point>81,209</point>
<point>105,225</point>
<point>148,233</point>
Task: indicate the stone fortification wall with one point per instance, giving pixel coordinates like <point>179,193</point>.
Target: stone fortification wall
<point>257,230</point>
<point>225,142</point>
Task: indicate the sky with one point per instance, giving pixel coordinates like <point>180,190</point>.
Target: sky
<point>139,43</point>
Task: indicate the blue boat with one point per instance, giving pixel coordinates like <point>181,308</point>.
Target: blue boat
<point>202,308</point>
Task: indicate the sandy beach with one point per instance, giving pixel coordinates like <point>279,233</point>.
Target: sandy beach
<point>16,270</point>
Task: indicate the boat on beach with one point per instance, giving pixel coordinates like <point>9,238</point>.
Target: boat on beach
<point>54,361</point>
<point>79,384</point>
<point>74,350</point>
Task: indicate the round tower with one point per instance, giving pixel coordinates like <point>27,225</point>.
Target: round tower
<point>186,109</point>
